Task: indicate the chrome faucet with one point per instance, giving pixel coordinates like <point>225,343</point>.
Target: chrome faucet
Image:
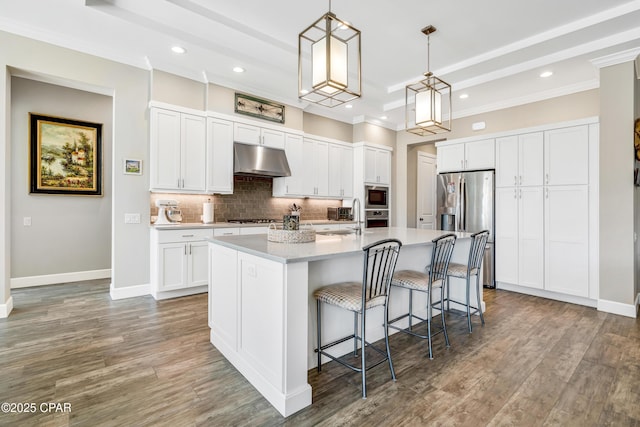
<point>356,212</point>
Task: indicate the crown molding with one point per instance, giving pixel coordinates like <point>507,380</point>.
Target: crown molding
<point>617,58</point>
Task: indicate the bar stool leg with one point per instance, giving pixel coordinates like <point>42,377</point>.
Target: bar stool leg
<point>429,310</point>
<point>444,324</point>
<point>386,339</point>
<point>355,334</point>
<point>410,309</point>
<point>362,352</point>
<point>319,320</point>
<point>478,298</point>
<point>469,303</point>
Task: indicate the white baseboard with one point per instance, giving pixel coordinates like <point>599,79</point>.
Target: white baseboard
<point>6,308</point>
<point>613,307</point>
<point>548,294</point>
<point>129,291</point>
<point>54,279</point>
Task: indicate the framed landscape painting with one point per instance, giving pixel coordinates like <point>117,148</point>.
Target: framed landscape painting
<point>66,156</point>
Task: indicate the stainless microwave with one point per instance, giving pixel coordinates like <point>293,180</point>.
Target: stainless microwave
<point>376,197</point>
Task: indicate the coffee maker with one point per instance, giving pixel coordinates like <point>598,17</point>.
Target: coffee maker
<point>168,212</point>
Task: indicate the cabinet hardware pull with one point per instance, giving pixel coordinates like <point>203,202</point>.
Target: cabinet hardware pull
<point>546,177</point>
<point>515,193</point>
<point>187,235</point>
<point>185,249</point>
<point>520,179</point>
<point>515,180</point>
<point>189,248</point>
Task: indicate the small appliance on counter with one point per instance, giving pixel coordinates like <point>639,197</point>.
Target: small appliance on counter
<point>339,214</point>
<point>168,212</point>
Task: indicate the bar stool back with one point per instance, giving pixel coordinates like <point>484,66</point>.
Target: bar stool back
<point>379,265</point>
<point>472,268</point>
<point>428,282</point>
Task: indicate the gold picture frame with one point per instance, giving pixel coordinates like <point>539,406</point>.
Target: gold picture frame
<point>65,156</point>
<point>259,108</point>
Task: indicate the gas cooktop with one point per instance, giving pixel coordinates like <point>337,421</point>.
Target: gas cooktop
<point>253,221</point>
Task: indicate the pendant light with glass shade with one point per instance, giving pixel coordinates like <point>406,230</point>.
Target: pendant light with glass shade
<point>426,100</point>
<point>329,70</point>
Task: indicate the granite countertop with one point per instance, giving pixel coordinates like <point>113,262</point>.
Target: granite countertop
<point>191,225</point>
<point>326,246</point>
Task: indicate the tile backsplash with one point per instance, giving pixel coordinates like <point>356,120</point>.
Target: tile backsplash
<point>251,198</point>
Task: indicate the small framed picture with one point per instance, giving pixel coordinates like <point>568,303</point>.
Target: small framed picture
<point>132,167</point>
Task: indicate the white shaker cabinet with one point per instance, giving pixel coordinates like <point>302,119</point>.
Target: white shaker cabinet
<point>250,134</point>
<point>219,156</point>
<point>566,153</point>
<point>340,165</point>
<point>520,160</point>
<point>377,166</point>
<point>315,168</point>
<point>178,147</point>
<point>292,185</point>
<point>519,236</point>
<point>179,262</point>
<point>567,239</point>
<point>474,155</point>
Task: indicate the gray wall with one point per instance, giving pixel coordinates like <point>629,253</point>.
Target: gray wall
<point>328,128</point>
<point>129,88</point>
<point>617,281</point>
<point>68,233</point>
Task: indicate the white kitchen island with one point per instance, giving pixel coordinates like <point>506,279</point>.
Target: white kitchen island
<point>262,313</point>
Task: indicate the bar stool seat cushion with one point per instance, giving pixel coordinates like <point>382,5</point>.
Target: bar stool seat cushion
<point>412,279</point>
<point>460,270</point>
<point>347,295</point>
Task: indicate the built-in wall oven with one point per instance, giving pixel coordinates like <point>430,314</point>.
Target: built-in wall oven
<point>376,218</point>
<point>376,197</point>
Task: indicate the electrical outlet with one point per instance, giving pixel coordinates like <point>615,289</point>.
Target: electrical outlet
<point>132,218</point>
<point>26,221</point>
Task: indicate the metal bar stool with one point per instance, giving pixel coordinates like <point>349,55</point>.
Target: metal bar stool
<point>433,279</point>
<point>472,268</point>
<point>379,264</point>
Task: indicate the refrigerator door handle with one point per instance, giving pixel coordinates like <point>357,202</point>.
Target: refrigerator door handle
<point>462,203</point>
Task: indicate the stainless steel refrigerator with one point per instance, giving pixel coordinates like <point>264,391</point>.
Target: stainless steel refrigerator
<point>465,202</point>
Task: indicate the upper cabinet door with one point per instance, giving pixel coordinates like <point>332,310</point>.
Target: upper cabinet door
<point>567,156</point>
<point>193,154</point>
<point>165,149</point>
<point>273,138</point>
<point>479,155</point>
<point>219,156</point>
<point>531,159</point>
<point>246,134</point>
<point>451,158</point>
<point>507,161</point>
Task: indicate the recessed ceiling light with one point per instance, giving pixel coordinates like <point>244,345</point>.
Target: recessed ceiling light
<point>304,91</point>
<point>348,106</point>
<point>546,74</point>
<point>238,69</point>
<point>178,49</point>
<point>464,95</point>
<point>383,117</point>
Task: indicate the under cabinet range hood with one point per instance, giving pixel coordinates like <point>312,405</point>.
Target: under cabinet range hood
<point>258,160</point>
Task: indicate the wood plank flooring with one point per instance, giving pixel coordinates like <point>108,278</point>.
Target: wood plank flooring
<point>139,362</point>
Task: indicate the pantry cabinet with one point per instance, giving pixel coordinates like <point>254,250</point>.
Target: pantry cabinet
<point>179,263</point>
<point>543,210</point>
<point>177,151</point>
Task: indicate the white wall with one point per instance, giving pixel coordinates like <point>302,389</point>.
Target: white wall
<point>129,87</point>
<point>67,233</point>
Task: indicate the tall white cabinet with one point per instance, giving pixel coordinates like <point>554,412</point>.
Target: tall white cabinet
<point>545,214</point>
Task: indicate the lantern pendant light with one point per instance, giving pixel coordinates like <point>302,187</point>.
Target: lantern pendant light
<point>424,101</point>
<point>329,71</point>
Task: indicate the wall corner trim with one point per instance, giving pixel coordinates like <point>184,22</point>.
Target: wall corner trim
<point>6,308</point>
<point>614,307</point>
<point>129,291</point>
